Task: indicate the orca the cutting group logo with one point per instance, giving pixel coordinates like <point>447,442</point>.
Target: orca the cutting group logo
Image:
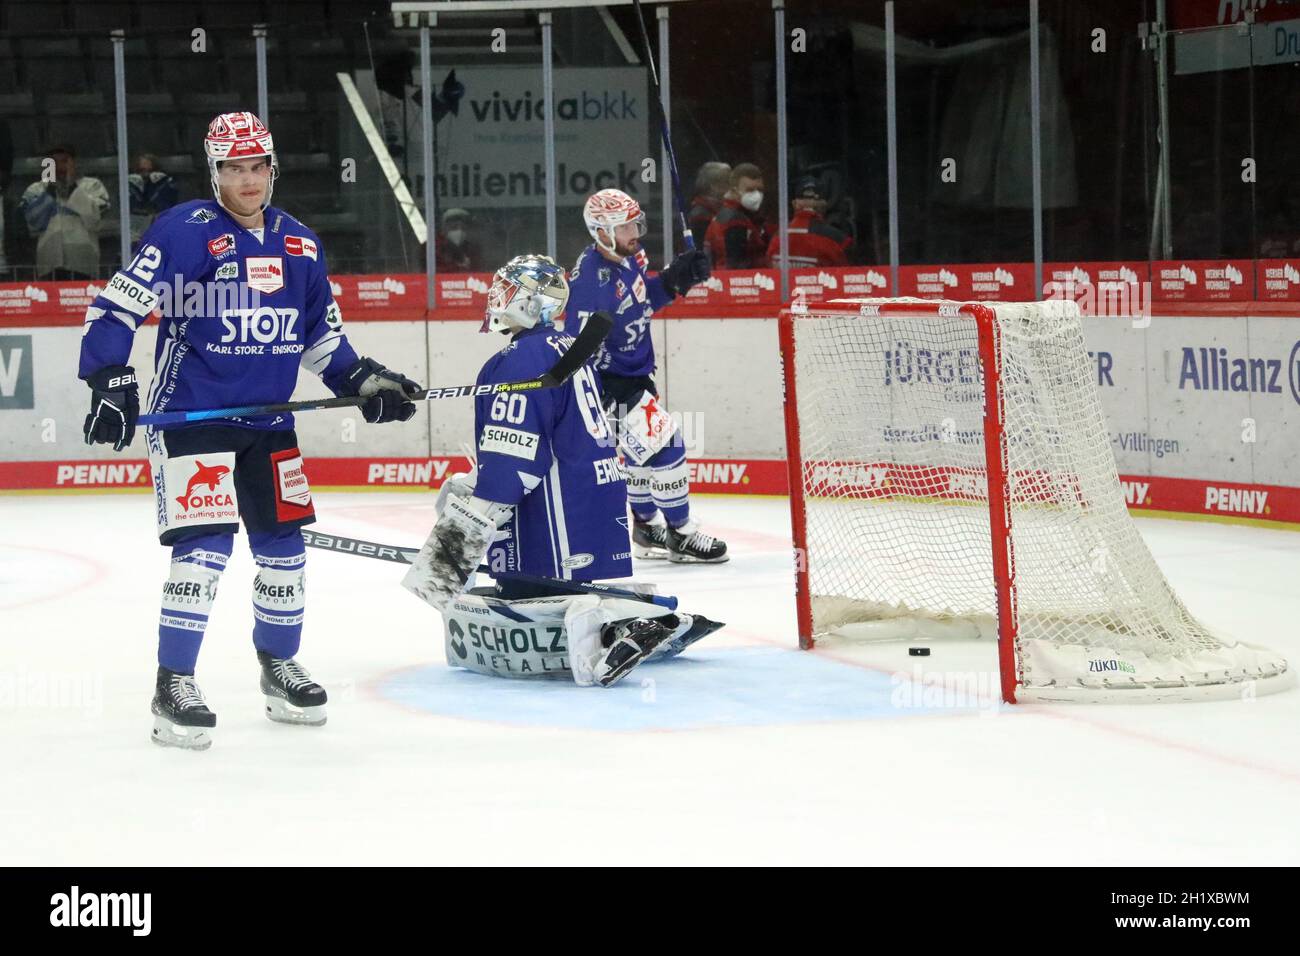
<point>16,389</point>
<point>209,476</point>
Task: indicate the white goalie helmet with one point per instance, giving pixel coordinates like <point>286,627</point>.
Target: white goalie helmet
<point>527,291</point>
<point>609,208</point>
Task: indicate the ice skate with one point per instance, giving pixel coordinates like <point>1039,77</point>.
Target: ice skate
<point>649,540</point>
<point>689,545</point>
<point>292,697</point>
<point>181,715</point>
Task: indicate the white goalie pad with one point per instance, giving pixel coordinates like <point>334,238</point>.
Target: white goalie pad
<point>535,637</point>
<point>646,428</point>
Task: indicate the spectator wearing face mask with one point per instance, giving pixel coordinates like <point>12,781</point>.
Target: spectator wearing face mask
<point>737,239</point>
<point>711,185</point>
<point>456,251</point>
<point>813,241</point>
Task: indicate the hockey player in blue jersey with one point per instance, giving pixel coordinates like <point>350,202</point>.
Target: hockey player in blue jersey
<point>610,276</point>
<point>245,300</point>
<point>547,498</point>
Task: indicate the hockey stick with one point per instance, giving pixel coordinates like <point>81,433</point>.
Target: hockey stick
<point>663,130</point>
<point>580,352</point>
<point>386,552</point>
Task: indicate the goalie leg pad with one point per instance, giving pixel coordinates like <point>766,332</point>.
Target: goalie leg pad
<point>593,639</point>
<point>586,622</point>
<point>500,638</point>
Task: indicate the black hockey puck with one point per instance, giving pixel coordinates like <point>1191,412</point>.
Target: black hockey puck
<point>919,651</point>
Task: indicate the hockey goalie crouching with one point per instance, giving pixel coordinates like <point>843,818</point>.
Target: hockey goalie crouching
<point>548,499</point>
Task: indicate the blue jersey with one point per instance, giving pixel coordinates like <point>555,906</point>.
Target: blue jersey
<point>239,314</point>
<point>624,291</point>
<point>551,454</point>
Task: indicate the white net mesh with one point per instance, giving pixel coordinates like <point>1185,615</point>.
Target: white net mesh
<point>890,412</point>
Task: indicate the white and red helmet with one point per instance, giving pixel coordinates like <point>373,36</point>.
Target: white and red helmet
<point>239,136</point>
<point>609,208</point>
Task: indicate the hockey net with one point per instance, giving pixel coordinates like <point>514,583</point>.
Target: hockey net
<point>951,475</point>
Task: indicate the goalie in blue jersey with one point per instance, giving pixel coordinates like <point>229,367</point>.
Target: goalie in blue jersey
<point>548,498</point>
<point>245,301</point>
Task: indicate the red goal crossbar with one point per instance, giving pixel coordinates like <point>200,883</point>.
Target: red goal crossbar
<point>995,454</point>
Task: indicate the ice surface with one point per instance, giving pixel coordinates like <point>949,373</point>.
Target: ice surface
<point>743,750</point>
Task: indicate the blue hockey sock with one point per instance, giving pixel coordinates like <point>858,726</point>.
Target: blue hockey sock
<point>278,591</point>
<point>638,492</point>
<point>187,598</point>
<point>670,484</point>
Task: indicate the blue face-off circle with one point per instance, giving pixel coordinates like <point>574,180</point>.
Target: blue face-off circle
<point>729,687</point>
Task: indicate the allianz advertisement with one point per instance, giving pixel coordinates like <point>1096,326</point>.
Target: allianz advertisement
<point>1203,397</point>
<point>493,153</point>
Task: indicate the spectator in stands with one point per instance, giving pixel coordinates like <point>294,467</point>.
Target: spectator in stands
<point>813,241</point>
<point>457,252</point>
<point>152,191</point>
<point>64,210</point>
<point>711,185</point>
<point>736,238</point>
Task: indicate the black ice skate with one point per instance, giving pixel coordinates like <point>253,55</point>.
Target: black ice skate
<point>181,716</point>
<point>630,643</point>
<point>292,697</point>
<point>689,545</point>
<point>649,541</point>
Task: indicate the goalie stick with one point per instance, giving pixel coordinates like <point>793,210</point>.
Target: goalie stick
<point>580,352</point>
<point>387,552</point>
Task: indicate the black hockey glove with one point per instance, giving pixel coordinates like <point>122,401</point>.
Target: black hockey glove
<point>114,406</point>
<point>387,393</point>
<point>686,270</point>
